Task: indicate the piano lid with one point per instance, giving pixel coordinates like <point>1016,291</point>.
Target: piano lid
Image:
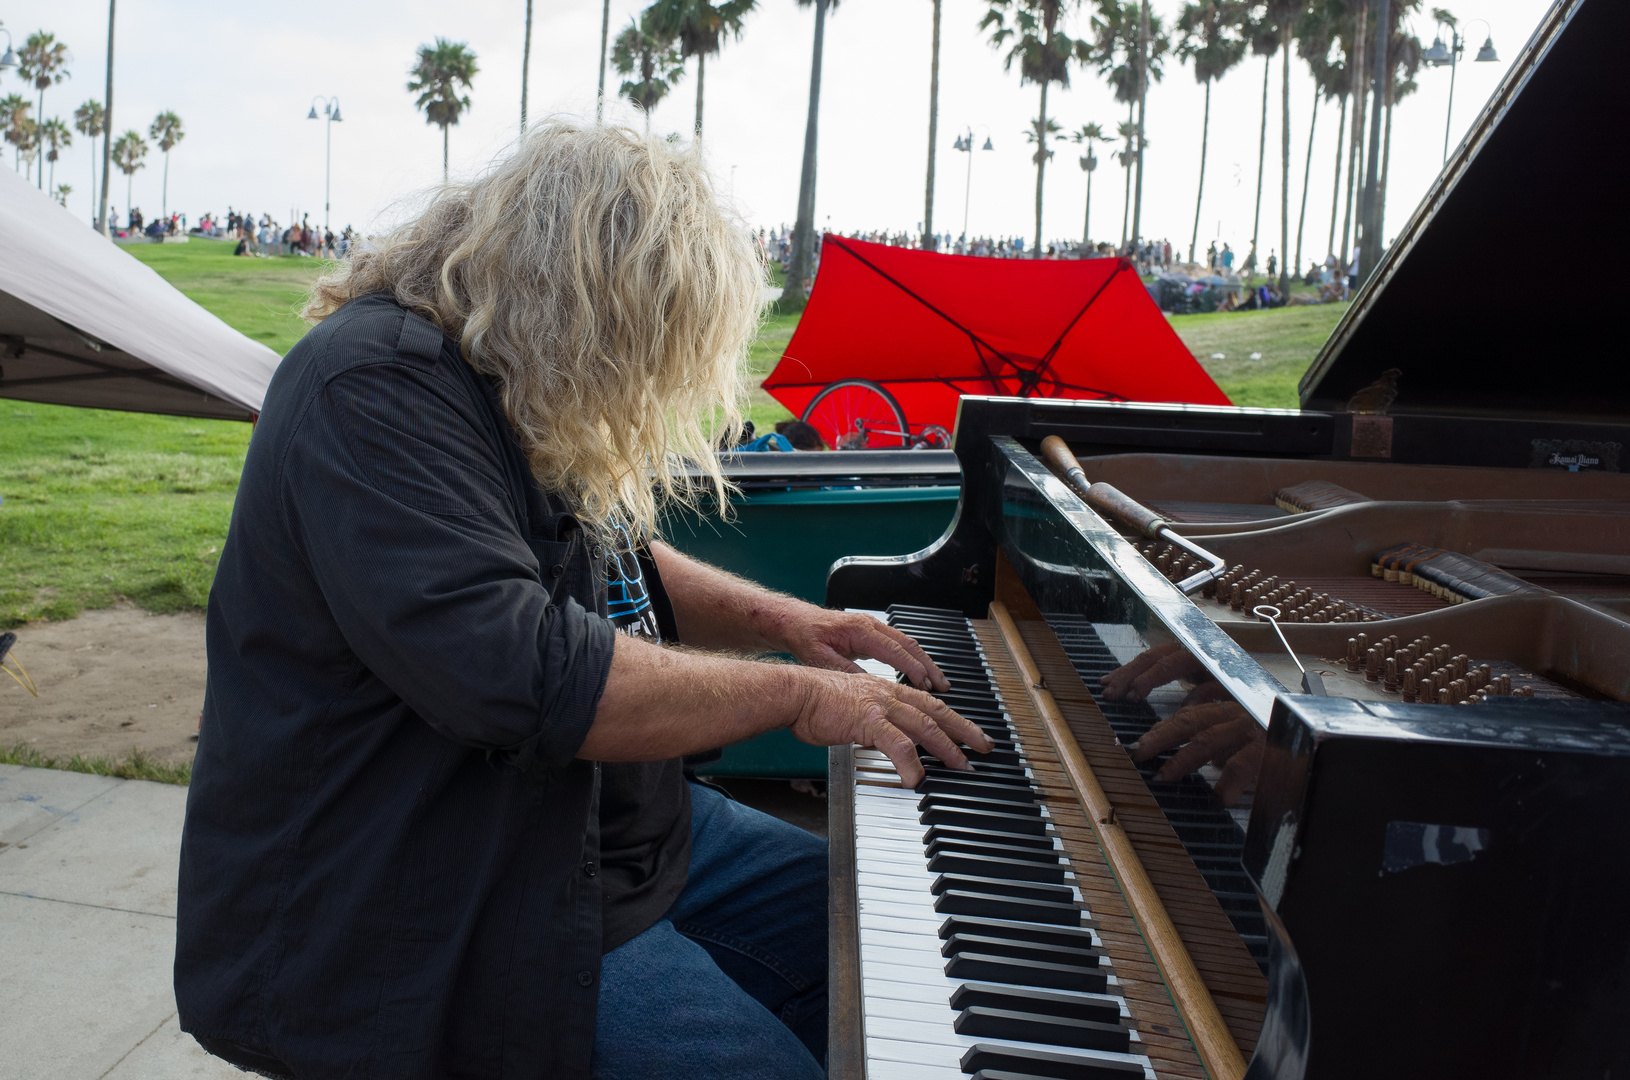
<point>1498,297</point>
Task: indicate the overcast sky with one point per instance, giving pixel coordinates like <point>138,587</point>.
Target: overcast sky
<point>242,76</point>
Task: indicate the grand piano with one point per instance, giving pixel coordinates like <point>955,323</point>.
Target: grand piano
<point>1429,873</point>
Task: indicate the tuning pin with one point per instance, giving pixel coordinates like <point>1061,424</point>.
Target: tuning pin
<point>1390,683</point>
<point>1502,685</point>
<point>1353,654</point>
<point>1372,664</point>
<point>1462,664</point>
<point>1523,691</point>
<point>1458,689</point>
<point>1411,684</point>
<point>1443,696</point>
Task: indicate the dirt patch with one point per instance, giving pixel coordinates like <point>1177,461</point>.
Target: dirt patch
<point>111,681</point>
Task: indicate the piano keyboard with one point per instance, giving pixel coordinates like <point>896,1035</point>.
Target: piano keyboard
<point>978,953</point>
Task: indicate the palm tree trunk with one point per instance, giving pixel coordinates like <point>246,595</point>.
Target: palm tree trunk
<point>1386,158</point>
<point>526,64</point>
<point>803,231</point>
<point>93,165</point>
<point>128,177</point>
<point>164,200</point>
<point>107,133</point>
<point>1335,185</point>
<point>1307,175</point>
<point>40,148</point>
<point>1199,194</point>
<point>1143,99</point>
<point>701,73</point>
<point>1261,151</point>
<point>1355,66</point>
<point>1370,251</point>
<point>1126,206</point>
<point>1041,165</point>
<point>929,244</point>
<point>444,128</point>
<point>605,40</point>
<point>1284,160</point>
<point>1086,219</point>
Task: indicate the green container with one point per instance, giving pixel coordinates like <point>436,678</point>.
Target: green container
<point>787,541</point>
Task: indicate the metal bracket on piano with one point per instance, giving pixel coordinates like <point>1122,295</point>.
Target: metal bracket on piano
<point>1113,503</point>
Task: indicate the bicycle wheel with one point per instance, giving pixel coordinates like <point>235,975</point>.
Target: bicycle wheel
<point>857,414</point>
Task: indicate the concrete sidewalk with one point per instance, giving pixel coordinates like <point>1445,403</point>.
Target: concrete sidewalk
<point>87,930</point>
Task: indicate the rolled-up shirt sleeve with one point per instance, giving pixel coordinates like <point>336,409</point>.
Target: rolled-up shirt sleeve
<point>397,492</point>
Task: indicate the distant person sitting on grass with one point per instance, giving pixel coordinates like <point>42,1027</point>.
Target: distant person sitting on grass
<point>802,436</point>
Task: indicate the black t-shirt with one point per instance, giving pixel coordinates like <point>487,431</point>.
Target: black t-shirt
<point>644,806</point>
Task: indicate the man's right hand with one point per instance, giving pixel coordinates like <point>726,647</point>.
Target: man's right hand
<point>891,717</point>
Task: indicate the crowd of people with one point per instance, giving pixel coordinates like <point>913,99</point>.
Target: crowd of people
<point>267,237</point>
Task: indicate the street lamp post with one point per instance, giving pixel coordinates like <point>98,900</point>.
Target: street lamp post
<point>331,116</point>
<point>9,60</point>
<point>1440,54</point>
<point>964,143</point>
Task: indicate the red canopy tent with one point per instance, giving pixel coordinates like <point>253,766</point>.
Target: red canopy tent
<point>928,328</point>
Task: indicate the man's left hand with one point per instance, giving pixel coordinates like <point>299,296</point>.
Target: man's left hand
<point>820,637</point>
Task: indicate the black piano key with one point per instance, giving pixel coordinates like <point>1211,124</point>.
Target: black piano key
<point>1023,950</point>
<point>1069,937</point>
<point>961,862</point>
<point>980,819</point>
<point>1032,890</point>
<point>985,1058</point>
<point>989,906</point>
<point>967,787</point>
<point>1011,969</point>
<point>970,802</point>
<point>994,757</point>
<point>980,776</point>
<point>982,1022</point>
<point>1014,771</point>
<point>1041,842</point>
<point>995,850</point>
<point>1100,1007</point>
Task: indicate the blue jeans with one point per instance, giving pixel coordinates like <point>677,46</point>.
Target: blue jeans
<point>731,984</point>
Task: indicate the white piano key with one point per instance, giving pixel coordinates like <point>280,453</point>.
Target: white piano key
<point>880,1069</point>
<point>878,668</point>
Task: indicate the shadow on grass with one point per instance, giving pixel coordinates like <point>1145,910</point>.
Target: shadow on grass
<point>136,765</point>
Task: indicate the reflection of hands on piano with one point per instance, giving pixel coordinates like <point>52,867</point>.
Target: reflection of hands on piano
<point>1152,669</point>
<point>1209,727</point>
<point>886,716</point>
<point>1219,732</point>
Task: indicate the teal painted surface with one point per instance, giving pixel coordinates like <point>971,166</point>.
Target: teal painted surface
<point>787,541</point>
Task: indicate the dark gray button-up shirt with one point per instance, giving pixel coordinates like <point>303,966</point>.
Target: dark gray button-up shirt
<point>387,863</point>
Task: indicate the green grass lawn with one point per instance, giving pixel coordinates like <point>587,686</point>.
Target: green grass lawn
<point>101,506</point>
<point>1285,340</point>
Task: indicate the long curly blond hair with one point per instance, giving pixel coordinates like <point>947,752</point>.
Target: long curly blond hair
<point>595,275</point>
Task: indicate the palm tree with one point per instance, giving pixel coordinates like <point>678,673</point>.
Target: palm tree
<point>55,135</point>
<point>656,60</point>
<point>1037,133</point>
<point>14,118</point>
<point>1284,16</point>
<point>1126,155</point>
<point>1313,39</point>
<point>526,63</point>
<point>605,38</point>
<point>437,75</point>
<point>43,60</point>
<point>62,193</point>
<point>1088,134</point>
<point>128,152</point>
<point>1119,40</point>
<point>1213,43</point>
<point>28,145</point>
<point>1264,43</point>
<point>929,243</point>
<point>803,229</point>
<point>90,120</point>
<point>1355,35</point>
<point>1404,58</point>
<point>166,131</point>
<point>1043,51</point>
<point>700,27</point>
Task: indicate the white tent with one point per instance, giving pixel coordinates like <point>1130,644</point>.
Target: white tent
<point>83,323</point>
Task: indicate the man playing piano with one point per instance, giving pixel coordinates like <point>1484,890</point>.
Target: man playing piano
<point>439,824</point>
